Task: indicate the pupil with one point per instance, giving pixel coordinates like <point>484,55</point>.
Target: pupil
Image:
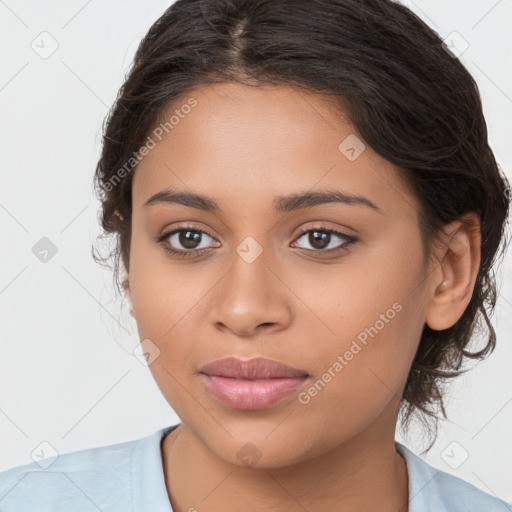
<point>319,240</point>
<point>189,239</point>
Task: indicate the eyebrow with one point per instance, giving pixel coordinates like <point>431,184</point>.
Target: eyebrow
<point>281,204</point>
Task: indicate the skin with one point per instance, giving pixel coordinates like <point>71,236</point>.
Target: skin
<point>243,146</point>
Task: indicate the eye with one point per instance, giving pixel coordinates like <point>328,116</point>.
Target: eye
<point>320,238</point>
<point>185,241</point>
<point>189,241</point>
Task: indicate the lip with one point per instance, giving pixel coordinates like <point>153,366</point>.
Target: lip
<point>256,368</point>
<point>251,384</point>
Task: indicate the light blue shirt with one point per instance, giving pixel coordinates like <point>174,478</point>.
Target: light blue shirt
<point>129,477</point>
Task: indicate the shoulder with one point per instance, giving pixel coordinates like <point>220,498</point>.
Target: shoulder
<point>89,479</point>
<point>433,489</point>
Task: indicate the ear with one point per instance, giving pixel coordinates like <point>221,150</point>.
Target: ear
<point>126,287</point>
<point>454,277</point>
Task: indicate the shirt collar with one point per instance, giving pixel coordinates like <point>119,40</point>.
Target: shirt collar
<point>148,479</point>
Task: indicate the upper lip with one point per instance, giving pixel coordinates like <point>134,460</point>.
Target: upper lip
<point>257,368</point>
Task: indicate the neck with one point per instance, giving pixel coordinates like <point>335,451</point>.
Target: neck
<point>365,473</point>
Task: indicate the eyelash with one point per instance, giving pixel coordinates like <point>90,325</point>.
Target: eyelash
<point>348,241</point>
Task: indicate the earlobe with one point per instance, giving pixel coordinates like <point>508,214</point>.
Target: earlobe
<point>126,287</point>
<point>131,305</point>
<point>454,280</point>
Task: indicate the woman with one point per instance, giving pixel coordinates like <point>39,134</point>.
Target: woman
<point>308,214</point>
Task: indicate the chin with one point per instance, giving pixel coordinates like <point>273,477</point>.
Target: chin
<point>255,448</point>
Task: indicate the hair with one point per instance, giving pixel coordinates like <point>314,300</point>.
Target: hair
<point>408,97</point>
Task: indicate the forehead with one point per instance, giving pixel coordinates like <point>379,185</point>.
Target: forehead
<point>252,144</point>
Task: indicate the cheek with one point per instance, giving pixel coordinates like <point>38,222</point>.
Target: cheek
<point>164,297</point>
<point>370,317</point>
<point>164,293</point>
<point>377,290</point>
<point>361,374</point>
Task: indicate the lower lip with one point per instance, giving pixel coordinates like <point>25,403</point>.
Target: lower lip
<point>251,394</point>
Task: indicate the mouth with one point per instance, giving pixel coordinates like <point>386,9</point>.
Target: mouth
<point>254,384</point>
<point>251,394</point>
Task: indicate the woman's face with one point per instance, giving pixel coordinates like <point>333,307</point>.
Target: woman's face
<point>347,313</point>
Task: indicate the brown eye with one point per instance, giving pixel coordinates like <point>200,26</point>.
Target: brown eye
<point>325,240</point>
<point>319,239</point>
<point>189,239</point>
<point>186,241</point>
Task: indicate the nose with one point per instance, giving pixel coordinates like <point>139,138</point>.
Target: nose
<point>251,299</point>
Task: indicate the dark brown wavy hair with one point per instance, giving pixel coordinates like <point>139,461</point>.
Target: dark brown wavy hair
<point>410,99</point>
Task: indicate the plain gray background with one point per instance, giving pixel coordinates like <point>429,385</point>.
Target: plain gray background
<point>67,373</point>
